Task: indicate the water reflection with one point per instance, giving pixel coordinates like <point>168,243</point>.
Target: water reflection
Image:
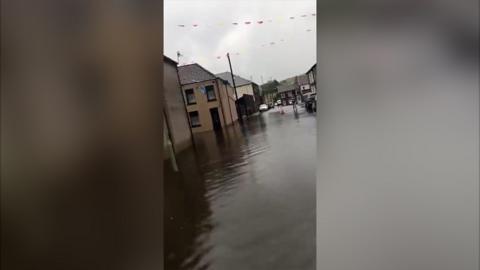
<point>233,204</point>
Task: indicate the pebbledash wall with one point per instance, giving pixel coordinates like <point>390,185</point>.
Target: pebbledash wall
<point>174,107</point>
<point>228,99</point>
<point>250,89</point>
<point>225,104</point>
<point>246,89</point>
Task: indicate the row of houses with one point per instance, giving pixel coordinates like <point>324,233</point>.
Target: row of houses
<point>297,88</point>
<point>196,100</point>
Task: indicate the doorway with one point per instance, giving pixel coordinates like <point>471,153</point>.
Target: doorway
<point>215,119</point>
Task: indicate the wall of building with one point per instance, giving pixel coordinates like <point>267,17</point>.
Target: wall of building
<point>232,103</point>
<point>312,80</point>
<point>305,91</point>
<point>288,95</point>
<point>228,102</point>
<point>269,98</point>
<point>245,89</point>
<point>246,105</point>
<point>250,89</point>
<point>311,77</point>
<point>177,117</point>
<point>203,106</point>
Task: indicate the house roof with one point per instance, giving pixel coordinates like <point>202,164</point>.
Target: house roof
<point>314,66</point>
<point>239,81</point>
<point>286,87</point>
<point>169,60</point>
<point>291,80</point>
<point>302,79</point>
<point>294,81</point>
<point>194,73</point>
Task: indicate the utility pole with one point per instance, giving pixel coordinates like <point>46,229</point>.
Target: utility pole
<point>239,114</point>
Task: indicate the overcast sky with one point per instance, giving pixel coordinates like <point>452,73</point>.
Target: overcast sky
<point>215,35</point>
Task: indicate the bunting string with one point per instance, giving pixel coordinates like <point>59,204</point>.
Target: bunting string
<point>238,53</point>
<point>249,22</point>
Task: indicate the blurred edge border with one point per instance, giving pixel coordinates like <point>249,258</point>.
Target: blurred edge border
<point>81,167</point>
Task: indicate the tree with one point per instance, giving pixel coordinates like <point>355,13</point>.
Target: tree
<point>269,91</point>
<point>269,87</point>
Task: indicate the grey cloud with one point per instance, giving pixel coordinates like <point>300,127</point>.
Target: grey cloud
<point>202,44</point>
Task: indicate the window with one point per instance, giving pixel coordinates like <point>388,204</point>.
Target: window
<point>194,119</point>
<point>210,93</point>
<point>306,91</point>
<point>190,95</point>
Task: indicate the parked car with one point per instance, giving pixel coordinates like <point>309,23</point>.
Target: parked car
<point>279,102</point>
<point>263,107</point>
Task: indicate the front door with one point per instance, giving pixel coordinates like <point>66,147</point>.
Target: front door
<point>215,118</point>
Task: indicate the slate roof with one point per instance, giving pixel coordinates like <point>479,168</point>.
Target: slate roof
<point>291,80</point>
<point>194,73</point>
<point>313,67</point>
<point>239,81</point>
<point>286,87</point>
<point>169,60</point>
<point>302,79</point>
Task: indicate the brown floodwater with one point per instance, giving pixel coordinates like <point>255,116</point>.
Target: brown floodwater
<point>244,197</point>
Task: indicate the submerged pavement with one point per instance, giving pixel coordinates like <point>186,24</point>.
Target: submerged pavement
<point>244,197</point>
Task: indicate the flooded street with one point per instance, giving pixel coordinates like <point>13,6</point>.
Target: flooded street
<point>244,198</point>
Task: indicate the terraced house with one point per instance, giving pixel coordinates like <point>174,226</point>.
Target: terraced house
<point>248,92</point>
<point>210,100</point>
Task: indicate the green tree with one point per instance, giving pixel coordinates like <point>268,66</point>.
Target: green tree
<point>269,87</point>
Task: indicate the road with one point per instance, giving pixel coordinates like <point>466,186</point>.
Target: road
<point>245,197</point>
